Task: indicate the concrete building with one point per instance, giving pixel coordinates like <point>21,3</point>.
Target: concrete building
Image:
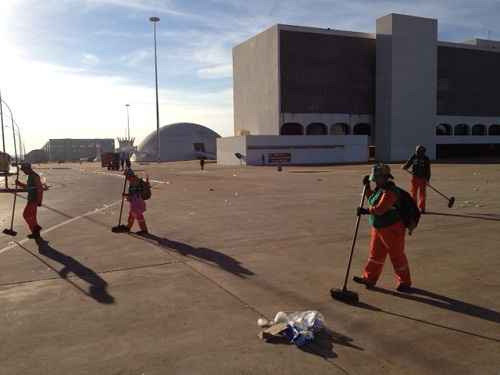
<point>68,149</point>
<point>398,87</point>
<point>36,156</point>
<point>181,141</point>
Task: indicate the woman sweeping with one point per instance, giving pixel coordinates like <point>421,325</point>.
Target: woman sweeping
<point>137,204</point>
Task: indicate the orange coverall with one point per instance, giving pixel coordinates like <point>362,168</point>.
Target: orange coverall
<point>418,184</point>
<point>388,240</point>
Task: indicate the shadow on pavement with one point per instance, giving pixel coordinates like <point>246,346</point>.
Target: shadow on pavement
<point>443,302</point>
<point>322,345</point>
<point>490,217</point>
<point>366,306</point>
<point>97,285</point>
<point>209,256</point>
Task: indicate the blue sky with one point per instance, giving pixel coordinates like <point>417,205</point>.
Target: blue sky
<point>67,67</point>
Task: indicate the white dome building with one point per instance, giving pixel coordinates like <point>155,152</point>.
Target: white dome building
<point>178,142</point>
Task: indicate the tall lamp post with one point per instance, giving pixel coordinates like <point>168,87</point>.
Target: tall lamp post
<point>155,20</point>
<point>128,121</point>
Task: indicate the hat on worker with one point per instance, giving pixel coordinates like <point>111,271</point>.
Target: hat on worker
<point>420,148</point>
<point>26,165</point>
<point>381,170</point>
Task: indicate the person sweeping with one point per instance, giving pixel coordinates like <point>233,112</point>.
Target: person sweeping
<point>421,175</point>
<point>34,188</point>
<point>388,229</point>
<point>135,196</point>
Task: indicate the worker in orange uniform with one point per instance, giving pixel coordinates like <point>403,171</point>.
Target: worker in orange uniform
<point>34,188</point>
<point>387,232</point>
<point>421,175</point>
<point>137,204</point>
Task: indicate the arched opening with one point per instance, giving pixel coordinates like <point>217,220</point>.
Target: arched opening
<point>292,128</point>
<point>362,129</point>
<point>479,129</point>
<point>316,128</point>
<point>340,128</point>
<point>494,130</point>
<point>443,129</point>
<point>462,129</point>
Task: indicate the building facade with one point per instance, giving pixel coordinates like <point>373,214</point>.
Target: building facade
<point>399,87</point>
<point>69,149</point>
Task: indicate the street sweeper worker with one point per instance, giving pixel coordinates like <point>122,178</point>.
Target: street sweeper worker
<point>137,204</point>
<point>421,175</point>
<point>34,188</point>
<point>387,232</point>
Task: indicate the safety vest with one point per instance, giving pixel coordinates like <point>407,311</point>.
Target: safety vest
<point>390,217</point>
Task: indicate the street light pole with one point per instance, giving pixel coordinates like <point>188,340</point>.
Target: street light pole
<point>128,122</point>
<point>155,20</point>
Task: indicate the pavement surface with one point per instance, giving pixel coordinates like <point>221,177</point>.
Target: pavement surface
<point>230,245</point>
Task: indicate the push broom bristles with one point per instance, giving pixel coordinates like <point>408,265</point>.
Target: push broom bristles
<point>345,295</point>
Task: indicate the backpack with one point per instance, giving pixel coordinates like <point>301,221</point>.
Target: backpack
<point>408,210</point>
<point>145,189</point>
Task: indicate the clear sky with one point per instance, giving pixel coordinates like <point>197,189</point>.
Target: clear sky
<point>68,67</point>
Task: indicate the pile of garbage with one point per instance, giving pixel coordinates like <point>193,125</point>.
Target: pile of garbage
<point>297,327</point>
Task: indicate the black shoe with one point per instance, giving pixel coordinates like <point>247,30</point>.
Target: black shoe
<point>34,235</point>
<point>403,288</point>
<point>362,280</point>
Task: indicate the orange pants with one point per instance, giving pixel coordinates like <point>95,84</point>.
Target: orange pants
<point>389,240</point>
<point>29,215</point>
<point>418,185</point>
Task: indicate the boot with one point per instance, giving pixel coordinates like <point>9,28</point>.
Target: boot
<point>362,280</point>
<point>144,228</point>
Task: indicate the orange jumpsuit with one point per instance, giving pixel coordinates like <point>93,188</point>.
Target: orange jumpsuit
<point>418,184</point>
<point>387,240</point>
<point>35,196</point>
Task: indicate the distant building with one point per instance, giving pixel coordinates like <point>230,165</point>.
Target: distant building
<point>182,141</point>
<point>37,156</point>
<point>396,88</point>
<point>68,149</point>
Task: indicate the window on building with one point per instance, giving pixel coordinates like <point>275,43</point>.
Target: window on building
<point>479,129</point>
<point>443,129</point>
<point>292,128</point>
<point>199,147</point>
<point>340,128</point>
<point>494,130</point>
<point>462,129</point>
<point>316,128</point>
<point>362,129</point>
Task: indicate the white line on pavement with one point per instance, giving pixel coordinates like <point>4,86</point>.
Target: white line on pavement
<point>69,221</point>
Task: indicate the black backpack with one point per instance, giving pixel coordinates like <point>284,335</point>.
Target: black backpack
<point>408,210</point>
<point>145,189</point>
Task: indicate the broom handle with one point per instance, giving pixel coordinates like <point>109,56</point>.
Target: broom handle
<point>123,199</point>
<point>354,239</point>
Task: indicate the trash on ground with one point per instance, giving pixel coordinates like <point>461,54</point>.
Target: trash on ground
<point>297,327</point>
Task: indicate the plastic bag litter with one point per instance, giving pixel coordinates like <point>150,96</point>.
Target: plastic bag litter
<point>301,325</point>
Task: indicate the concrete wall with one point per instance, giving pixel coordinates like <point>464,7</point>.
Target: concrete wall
<point>256,84</point>
<point>406,85</point>
<point>227,147</point>
<point>303,149</point>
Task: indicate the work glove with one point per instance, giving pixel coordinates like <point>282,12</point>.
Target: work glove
<point>362,211</point>
<point>366,180</point>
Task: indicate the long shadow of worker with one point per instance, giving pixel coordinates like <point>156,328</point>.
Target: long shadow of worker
<point>97,285</point>
<point>203,254</point>
<point>444,302</point>
<point>488,217</point>
<point>368,307</point>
